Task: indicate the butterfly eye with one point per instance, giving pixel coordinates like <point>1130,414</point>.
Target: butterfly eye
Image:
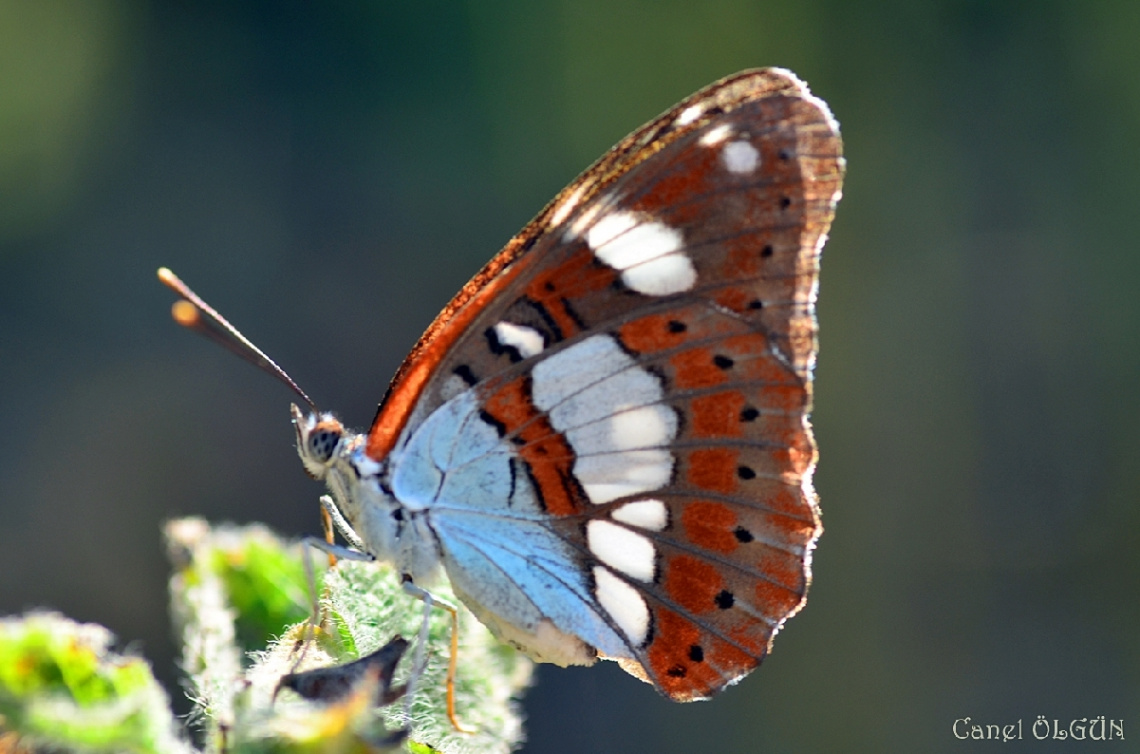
<point>318,437</point>
<point>323,442</point>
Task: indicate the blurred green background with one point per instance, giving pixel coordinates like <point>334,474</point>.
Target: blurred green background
<point>329,174</point>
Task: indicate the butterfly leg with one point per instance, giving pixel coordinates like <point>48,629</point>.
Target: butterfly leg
<point>332,519</point>
<point>330,535</point>
<point>336,550</point>
<point>314,620</point>
<point>332,514</point>
<point>333,551</point>
<point>429,601</point>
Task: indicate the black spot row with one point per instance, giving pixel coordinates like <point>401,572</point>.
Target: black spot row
<point>499,348</point>
<point>497,425</point>
<point>745,472</point>
<point>464,372</point>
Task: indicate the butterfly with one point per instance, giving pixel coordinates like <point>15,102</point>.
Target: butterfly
<point>603,440</point>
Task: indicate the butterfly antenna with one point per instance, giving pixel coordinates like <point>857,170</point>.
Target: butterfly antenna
<point>189,313</point>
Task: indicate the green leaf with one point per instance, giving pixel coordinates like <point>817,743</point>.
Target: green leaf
<point>61,687</point>
<point>236,583</point>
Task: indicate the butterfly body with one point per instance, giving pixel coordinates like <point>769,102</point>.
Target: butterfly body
<point>603,440</point>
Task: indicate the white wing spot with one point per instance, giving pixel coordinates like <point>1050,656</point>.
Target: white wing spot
<point>641,427</point>
<point>526,340</point>
<point>648,253</point>
<point>740,157</point>
<point>610,227</point>
<point>599,206</point>
<point>605,478</point>
<point>620,548</point>
<point>644,514</point>
<point>637,465</point>
<point>586,390</point>
<point>669,274</point>
<point>567,206</point>
<point>623,603</point>
<point>689,114</point>
<point>716,136</point>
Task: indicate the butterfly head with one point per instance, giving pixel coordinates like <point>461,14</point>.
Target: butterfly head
<point>386,528</point>
<point>320,437</point>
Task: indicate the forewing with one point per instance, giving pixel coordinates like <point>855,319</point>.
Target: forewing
<point>645,349</point>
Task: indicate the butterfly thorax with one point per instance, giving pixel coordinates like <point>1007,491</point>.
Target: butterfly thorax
<point>390,530</point>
